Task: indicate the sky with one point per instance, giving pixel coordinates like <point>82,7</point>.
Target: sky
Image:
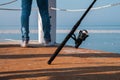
<point>107,16</point>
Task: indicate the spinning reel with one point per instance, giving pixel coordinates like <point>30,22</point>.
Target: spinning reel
<point>82,35</point>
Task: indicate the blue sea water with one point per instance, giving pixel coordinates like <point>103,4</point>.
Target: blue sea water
<point>105,42</point>
<point>109,42</point>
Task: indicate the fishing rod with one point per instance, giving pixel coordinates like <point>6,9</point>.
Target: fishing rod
<point>81,37</point>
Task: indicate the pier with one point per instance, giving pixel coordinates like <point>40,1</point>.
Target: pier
<point>30,63</point>
<point>17,63</point>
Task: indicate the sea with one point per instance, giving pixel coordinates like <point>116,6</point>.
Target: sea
<point>101,37</point>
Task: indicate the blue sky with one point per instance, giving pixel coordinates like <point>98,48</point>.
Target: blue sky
<point>108,16</point>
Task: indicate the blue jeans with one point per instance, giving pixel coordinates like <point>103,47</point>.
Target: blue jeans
<point>26,10</point>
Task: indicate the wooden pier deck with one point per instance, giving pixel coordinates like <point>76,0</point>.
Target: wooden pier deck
<point>30,63</point>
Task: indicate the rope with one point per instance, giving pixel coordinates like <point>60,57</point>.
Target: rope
<point>9,9</point>
<point>58,9</point>
<point>8,3</point>
<point>17,9</point>
<point>80,10</point>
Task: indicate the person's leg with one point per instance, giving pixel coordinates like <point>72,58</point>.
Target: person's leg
<point>26,10</point>
<point>43,9</point>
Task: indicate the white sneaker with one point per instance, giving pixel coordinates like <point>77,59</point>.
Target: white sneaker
<point>24,44</point>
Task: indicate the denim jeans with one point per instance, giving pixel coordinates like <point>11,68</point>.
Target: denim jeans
<point>26,10</point>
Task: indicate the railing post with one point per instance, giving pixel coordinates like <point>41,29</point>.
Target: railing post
<point>52,3</point>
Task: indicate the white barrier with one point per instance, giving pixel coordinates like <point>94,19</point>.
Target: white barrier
<point>53,24</point>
